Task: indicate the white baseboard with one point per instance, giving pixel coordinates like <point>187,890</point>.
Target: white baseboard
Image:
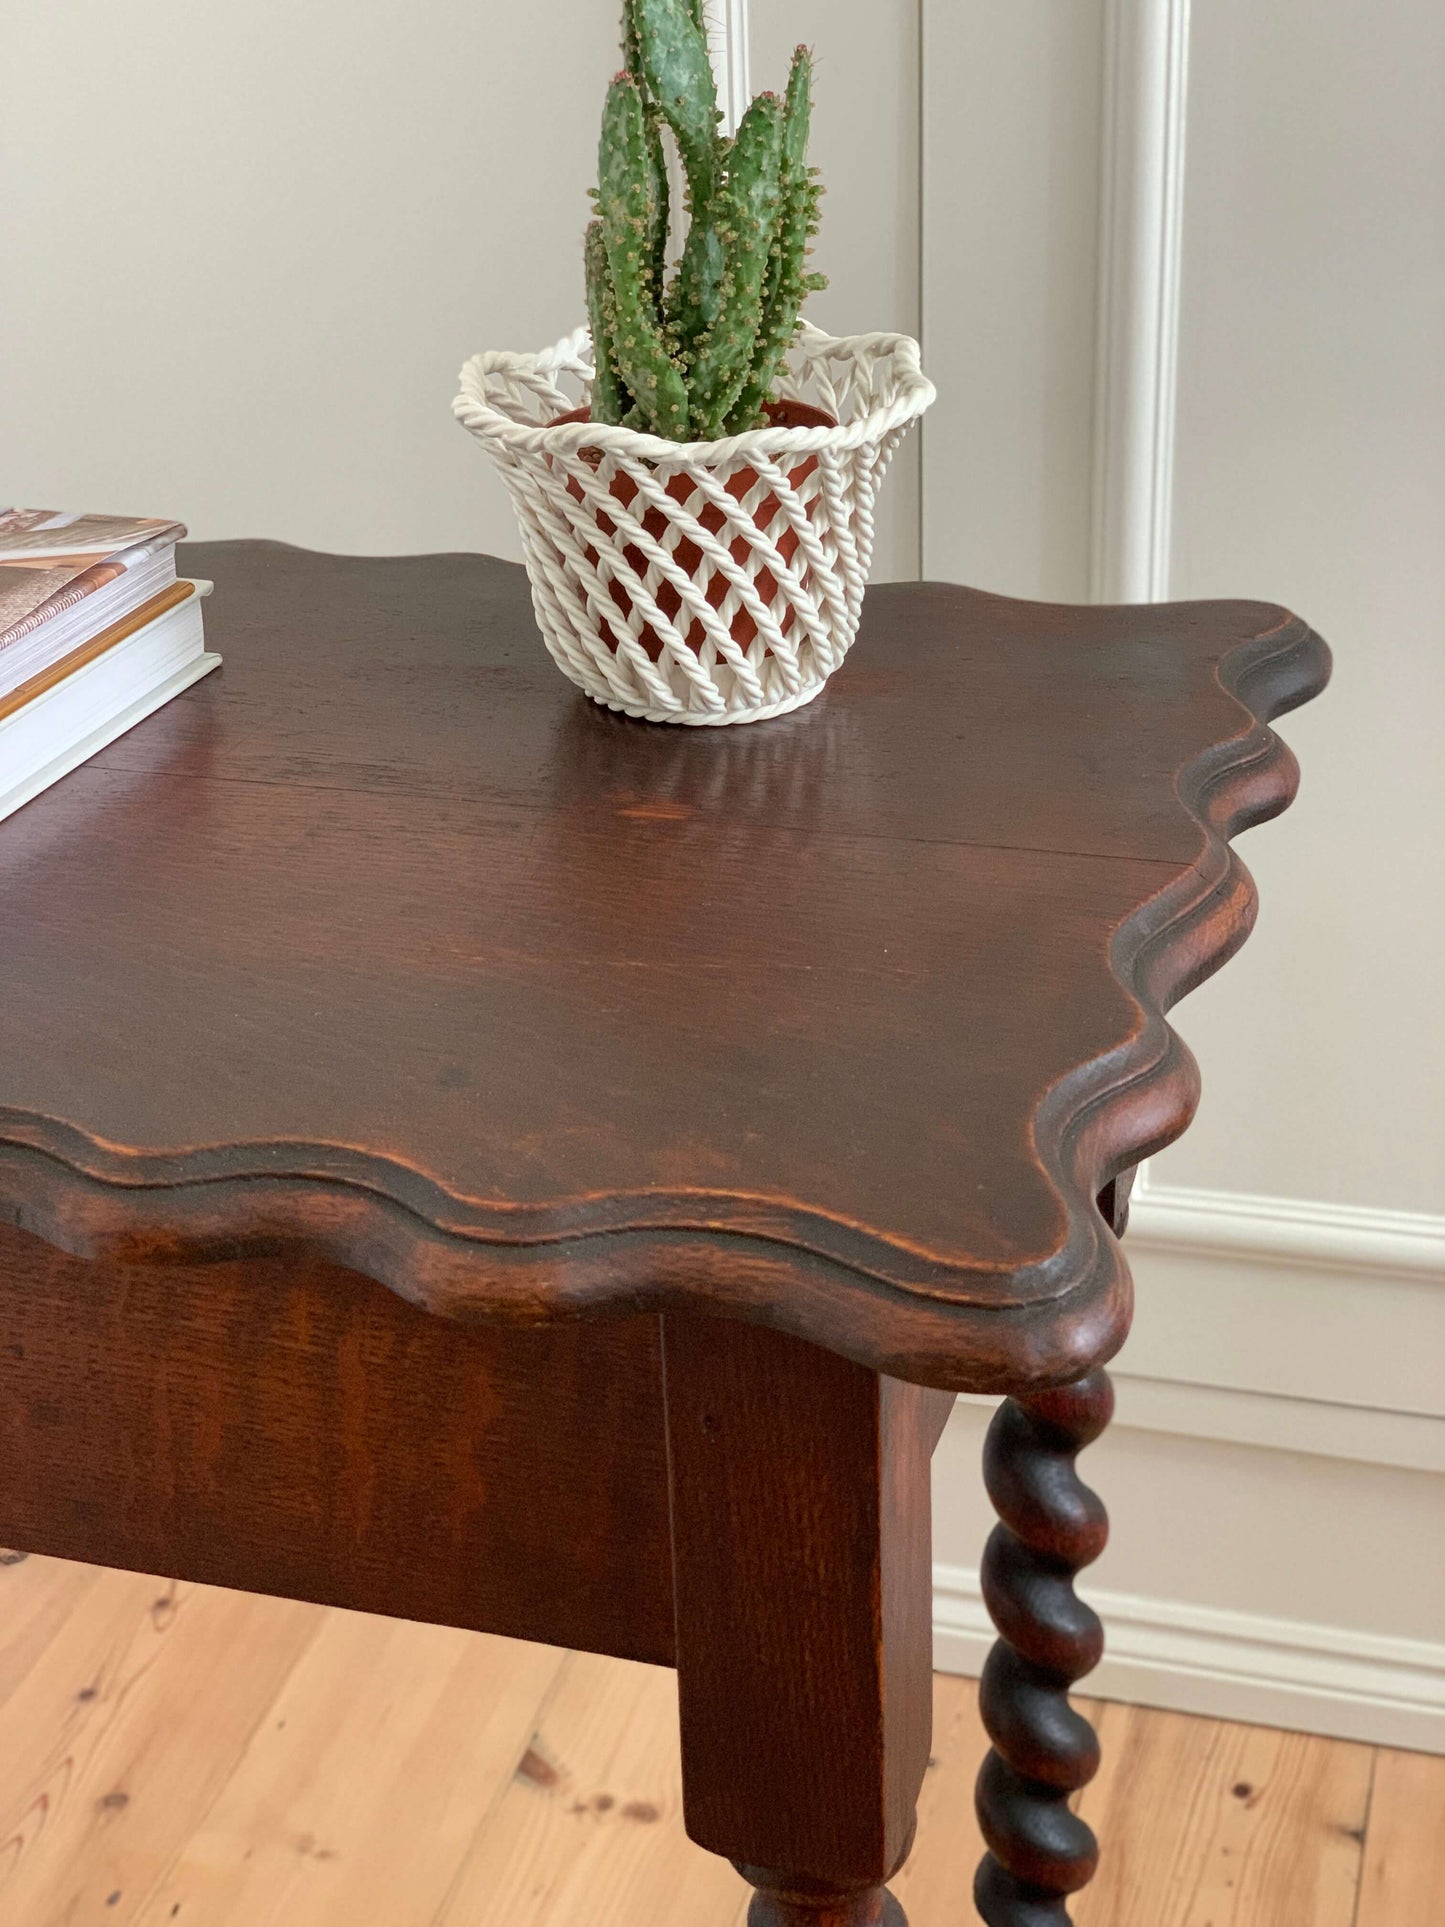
<point>1228,1665</point>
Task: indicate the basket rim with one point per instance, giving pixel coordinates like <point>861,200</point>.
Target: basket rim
<point>477,412</point>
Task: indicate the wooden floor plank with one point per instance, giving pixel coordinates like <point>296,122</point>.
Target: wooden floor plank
<point>1403,1884</point>
<point>936,1883</point>
<point>37,1596</point>
<point>1207,1824</point>
<point>361,1790</point>
<point>590,1829</point>
<point>215,1760</point>
<point>121,1735</point>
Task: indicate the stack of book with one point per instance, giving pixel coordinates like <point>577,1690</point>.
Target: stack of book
<point>96,632</point>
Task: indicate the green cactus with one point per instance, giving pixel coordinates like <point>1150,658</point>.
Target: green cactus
<point>748,203</point>
<point>788,286</point>
<point>666,40</point>
<point>609,395</point>
<point>695,355</point>
<point>643,357</point>
<point>667,54</point>
<point>656,155</point>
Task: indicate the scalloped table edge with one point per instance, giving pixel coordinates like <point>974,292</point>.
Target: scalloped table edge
<point>840,1285</point>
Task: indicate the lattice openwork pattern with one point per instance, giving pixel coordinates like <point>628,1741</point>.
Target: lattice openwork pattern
<point>698,582</point>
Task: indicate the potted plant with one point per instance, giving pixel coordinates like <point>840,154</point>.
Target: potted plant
<point>698,531</point>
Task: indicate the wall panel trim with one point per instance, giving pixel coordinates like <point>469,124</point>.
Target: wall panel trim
<point>1146,61</point>
<point>1273,1421</point>
<point>1301,1231</point>
<point>728,35</point>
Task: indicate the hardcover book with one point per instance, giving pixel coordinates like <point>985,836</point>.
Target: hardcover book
<point>64,577</point>
<point>96,632</point>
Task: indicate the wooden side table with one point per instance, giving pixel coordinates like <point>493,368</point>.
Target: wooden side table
<point>469,1157</point>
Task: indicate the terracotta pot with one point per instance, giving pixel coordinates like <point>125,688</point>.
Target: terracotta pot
<point>743,629</point>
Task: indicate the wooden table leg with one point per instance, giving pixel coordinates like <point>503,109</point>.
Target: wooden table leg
<point>791,1905</point>
<point>803,1598</point>
<point>1051,1525</point>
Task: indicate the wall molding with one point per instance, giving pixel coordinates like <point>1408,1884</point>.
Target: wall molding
<point>1272,1421</point>
<point>1231,1665</point>
<point>1336,1312</point>
<point>1269,1325</point>
<point>727,34</point>
<point>1146,62</point>
<point>1145,104</point>
<point>1265,1325</point>
<point>1298,1231</point>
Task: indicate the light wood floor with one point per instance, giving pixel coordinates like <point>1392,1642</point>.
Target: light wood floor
<point>177,1754</point>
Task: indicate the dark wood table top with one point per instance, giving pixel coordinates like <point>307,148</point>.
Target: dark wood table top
<point>385,943</point>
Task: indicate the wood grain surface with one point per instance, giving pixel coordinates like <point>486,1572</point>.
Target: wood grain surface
<point>1404,1872</point>
<point>178,1757</point>
<point>385,945</point>
<point>1207,1824</point>
<point>803,1585</point>
<point>292,1428</point>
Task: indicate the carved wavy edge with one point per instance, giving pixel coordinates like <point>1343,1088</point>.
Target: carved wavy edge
<point>843,1285</point>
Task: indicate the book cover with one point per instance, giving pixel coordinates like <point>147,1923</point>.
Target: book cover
<point>51,560</point>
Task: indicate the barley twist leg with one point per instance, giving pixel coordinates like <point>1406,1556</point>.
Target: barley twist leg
<point>1051,1525</point>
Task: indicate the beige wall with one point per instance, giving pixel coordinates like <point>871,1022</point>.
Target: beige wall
<point>1310,469</point>
<point>245,250</point>
<point>1011,209</point>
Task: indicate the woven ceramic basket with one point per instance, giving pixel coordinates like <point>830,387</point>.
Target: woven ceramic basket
<point>699,582</point>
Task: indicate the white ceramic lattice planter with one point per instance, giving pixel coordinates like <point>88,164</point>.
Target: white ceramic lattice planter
<point>699,582</point>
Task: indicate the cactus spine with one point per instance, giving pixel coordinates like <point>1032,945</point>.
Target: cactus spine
<point>695,355</point>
